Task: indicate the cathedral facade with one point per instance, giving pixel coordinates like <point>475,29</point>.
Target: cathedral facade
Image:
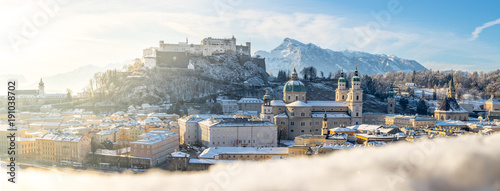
<point>295,115</point>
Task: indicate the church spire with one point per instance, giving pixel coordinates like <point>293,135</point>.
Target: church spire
<point>451,89</point>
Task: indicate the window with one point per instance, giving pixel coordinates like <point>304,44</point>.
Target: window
<point>292,123</point>
<point>302,131</point>
<point>142,151</point>
<point>357,114</point>
<point>291,130</point>
<point>296,97</point>
<point>288,97</point>
<point>302,123</point>
<point>282,122</point>
<point>302,114</point>
<point>342,96</point>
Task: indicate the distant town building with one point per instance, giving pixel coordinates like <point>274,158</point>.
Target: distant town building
<point>62,147</point>
<point>250,104</point>
<point>449,109</point>
<point>492,104</point>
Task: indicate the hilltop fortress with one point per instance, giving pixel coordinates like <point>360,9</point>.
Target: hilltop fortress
<point>177,55</point>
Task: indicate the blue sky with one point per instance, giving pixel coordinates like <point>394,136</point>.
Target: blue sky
<point>438,34</point>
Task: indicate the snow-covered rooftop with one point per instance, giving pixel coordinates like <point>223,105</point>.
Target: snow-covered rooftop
<point>298,104</point>
<point>211,152</point>
<point>327,103</point>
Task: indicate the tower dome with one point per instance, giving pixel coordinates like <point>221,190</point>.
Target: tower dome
<point>355,78</point>
<point>341,78</point>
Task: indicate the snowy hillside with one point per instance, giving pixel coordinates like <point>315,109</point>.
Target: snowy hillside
<point>292,52</point>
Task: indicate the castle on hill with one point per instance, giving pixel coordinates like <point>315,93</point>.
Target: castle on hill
<point>177,55</point>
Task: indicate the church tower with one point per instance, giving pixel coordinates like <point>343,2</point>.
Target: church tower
<point>267,110</point>
<point>341,91</point>
<point>391,103</point>
<point>41,87</point>
<point>355,100</point>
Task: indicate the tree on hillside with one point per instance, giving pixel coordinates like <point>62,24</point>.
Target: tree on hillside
<point>282,77</point>
<point>309,73</point>
<point>404,103</point>
<point>421,107</point>
<point>68,95</point>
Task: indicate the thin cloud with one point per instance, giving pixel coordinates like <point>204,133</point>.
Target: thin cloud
<point>478,30</point>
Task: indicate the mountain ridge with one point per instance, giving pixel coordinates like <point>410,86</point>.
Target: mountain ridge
<point>292,53</point>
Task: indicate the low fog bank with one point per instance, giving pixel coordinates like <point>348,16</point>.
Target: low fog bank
<point>464,163</point>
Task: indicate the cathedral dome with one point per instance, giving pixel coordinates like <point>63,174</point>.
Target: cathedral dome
<point>294,86</point>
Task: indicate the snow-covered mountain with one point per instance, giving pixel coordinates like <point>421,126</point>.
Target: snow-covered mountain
<point>292,52</point>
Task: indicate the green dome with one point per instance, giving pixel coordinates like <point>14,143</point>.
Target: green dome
<point>356,79</point>
<point>341,79</point>
<point>267,97</point>
<point>294,86</point>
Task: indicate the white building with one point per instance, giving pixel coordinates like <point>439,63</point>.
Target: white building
<point>238,132</point>
<point>229,106</point>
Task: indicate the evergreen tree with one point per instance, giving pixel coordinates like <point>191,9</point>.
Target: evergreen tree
<point>421,107</point>
<point>404,103</point>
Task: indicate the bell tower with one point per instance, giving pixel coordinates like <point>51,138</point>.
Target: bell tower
<point>341,91</point>
<point>355,99</point>
<point>267,110</point>
<point>41,87</point>
<point>391,103</point>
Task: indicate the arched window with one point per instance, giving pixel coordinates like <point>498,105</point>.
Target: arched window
<point>357,97</point>
<point>291,130</point>
<point>342,96</point>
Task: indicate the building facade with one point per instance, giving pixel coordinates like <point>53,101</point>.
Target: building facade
<point>237,132</point>
<point>155,145</point>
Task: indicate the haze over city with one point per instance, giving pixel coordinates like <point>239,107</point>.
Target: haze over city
<point>69,34</point>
